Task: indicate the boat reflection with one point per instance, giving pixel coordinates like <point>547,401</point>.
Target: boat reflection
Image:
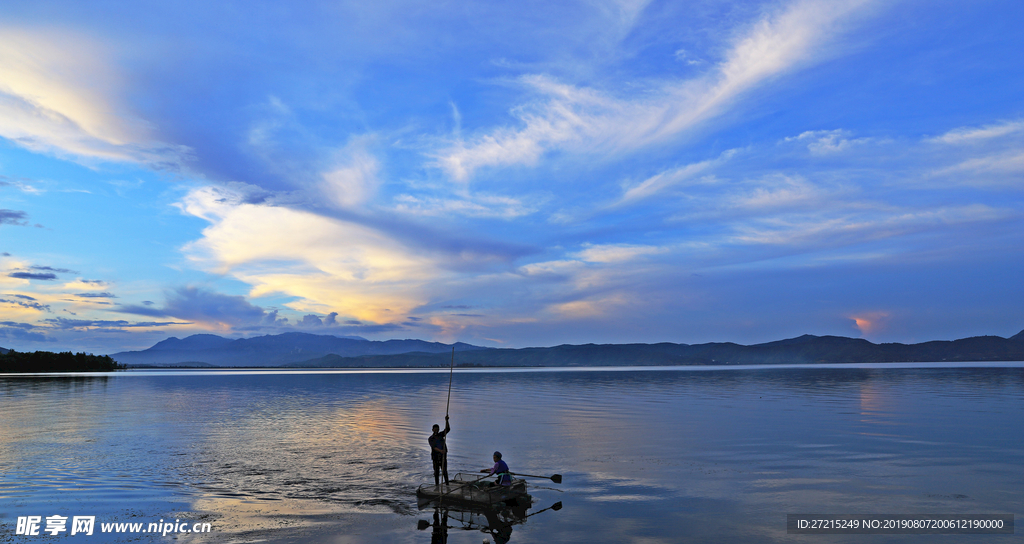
<point>496,522</point>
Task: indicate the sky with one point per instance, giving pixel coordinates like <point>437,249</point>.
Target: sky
<point>510,174</point>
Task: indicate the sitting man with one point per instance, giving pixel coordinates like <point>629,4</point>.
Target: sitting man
<point>500,469</point>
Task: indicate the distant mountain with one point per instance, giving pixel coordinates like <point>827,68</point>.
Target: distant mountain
<point>3,351</point>
<point>271,350</point>
<point>805,349</point>
<point>318,351</point>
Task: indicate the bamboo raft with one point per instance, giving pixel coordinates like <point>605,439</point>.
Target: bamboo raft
<point>470,489</point>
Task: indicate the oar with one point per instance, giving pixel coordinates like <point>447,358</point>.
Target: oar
<point>557,478</point>
<point>556,507</point>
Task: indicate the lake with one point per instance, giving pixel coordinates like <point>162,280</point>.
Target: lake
<point>648,455</point>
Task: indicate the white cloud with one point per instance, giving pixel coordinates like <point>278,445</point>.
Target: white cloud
<point>59,93</point>
<point>590,121</point>
<point>353,182</point>
<point>990,155</point>
<point>615,253</point>
<point>470,206</point>
<point>967,135</point>
<point>1011,162</point>
<point>776,193</point>
<point>660,182</point>
<point>824,142</point>
<point>329,264</point>
<point>843,227</point>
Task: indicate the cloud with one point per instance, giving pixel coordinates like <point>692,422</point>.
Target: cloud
<point>663,181</point>
<point>203,306</point>
<point>871,322</point>
<point>329,263</point>
<point>973,135</point>
<point>353,181</point>
<point>13,217</point>
<point>815,231</point>
<point>824,142</point>
<point>96,295</point>
<point>62,323</point>
<point>984,156</point>
<point>45,273</point>
<point>52,269</point>
<point>33,276</point>
<point>615,253</point>
<point>582,120</point>
<point>60,93</point>
<point>477,205</point>
<point>23,332</point>
<point>26,302</point>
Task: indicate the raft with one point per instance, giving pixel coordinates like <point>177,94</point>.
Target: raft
<point>470,489</point>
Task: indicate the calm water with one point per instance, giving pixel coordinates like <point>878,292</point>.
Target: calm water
<point>647,456</point>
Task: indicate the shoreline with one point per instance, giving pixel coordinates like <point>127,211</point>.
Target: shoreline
<point>226,371</point>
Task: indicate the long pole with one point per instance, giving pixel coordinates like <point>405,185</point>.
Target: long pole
<point>450,373</point>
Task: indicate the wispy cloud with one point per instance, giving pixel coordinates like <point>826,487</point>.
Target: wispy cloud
<point>824,142</point>
<point>990,155</point>
<point>25,301</point>
<point>96,295</point>
<point>476,205</point>
<point>590,121</point>
<point>970,135</point>
<point>61,94</point>
<point>615,253</point>
<point>63,323</point>
<point>662,181</point>
<point>13,217</point>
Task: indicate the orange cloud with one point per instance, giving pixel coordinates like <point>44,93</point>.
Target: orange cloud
<point>870,322</point>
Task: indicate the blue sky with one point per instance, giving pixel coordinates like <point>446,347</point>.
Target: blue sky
<point>510,173</point>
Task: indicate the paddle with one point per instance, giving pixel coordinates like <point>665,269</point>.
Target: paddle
<point>557,478</point>
<point>556,507</point>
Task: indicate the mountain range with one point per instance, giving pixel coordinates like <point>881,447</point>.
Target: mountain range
<point>272,350</point>
<point>319,351</point>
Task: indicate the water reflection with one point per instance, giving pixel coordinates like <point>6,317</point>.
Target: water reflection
<point>644,453</point>
<point>498,522</point>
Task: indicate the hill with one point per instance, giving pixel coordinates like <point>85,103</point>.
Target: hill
<point>271,350</point>
<point>308,350</point>
<point>805,349</point>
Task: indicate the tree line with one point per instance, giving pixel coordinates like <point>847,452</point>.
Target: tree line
<point>47,361</point>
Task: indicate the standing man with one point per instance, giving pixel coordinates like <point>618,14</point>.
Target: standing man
<point>439,452</point>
